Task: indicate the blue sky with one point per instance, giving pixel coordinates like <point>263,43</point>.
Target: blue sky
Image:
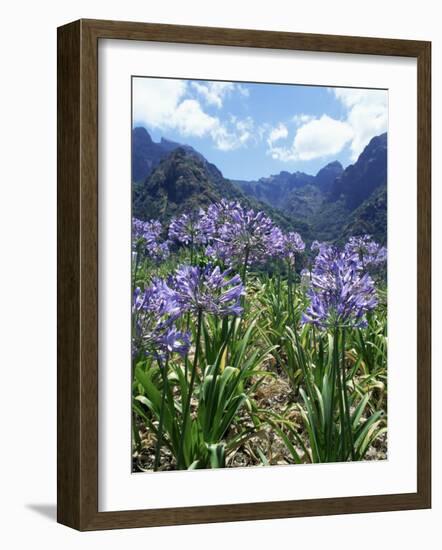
<point>254,130</point>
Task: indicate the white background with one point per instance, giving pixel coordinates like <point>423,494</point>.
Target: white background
<point>118,488</point>
<point>27,292</point>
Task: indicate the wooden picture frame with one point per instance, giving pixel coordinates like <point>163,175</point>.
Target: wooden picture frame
<point>78,274</point>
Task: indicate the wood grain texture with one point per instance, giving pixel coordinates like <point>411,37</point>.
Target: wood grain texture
<point>68,276</point>
<point>77,223</point>
<point>424,274</point>
<point>252,38</point>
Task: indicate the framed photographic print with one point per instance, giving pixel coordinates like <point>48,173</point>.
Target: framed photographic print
<point>243,274</point>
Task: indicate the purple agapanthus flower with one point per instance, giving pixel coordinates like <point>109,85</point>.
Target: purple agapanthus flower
<point>155,311</point>
<point>147,230</point>
<point>221,212</point>
<point>340,293</point>
<point>381,256</point>
<point>208,290</point>
<point>245,235</point>
<point>157,298</point>
<point>292,244</point>
<point>370,252</point>
<point>317,246</point>
<point>174,341</point>
<point>193,228</point>
<point>146,239</point>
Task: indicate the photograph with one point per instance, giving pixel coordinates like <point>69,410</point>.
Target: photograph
<point>259,274</point>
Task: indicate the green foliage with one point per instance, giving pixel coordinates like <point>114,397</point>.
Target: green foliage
<point>205,409</point>
<point>223,387</point>
<point>370,217</point>
<point>336,410</point>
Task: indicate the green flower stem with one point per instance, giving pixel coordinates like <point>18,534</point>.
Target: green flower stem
<point>190,390</point>
<point>290,294</point>
<point>279,286</point>
<point>244,270</point>
<point>186,359</point>
<point>244,280</point>
<point>191,251</point>
<point>347,406</point>
<point>341,398</point>
<point>186,366</point>
<point>160,425</point>
<point>332,401</point>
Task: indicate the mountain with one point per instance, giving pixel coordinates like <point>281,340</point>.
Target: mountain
<point>325,178</point>
<point>334,201</point>
<point>357,201</point>
<point>370,217</point>
<point>275,189</point>
<point>171,178</point>
<point>305,202</point>
<point>147,154</point>
<point>359,180</point>
<point>179,183</point>
<point>184,181</point>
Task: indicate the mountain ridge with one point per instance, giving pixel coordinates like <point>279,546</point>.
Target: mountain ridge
<point>335,197</point>
<point>184,181</point>
<point>326,206</point>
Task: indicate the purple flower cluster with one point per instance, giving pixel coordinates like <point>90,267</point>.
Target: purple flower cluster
<point>340,293</point>
<point>155,312</point>
<point>194,228</point>
<point>221,212</point>
<point>208,290</point>
<point>234,235</point>
<point>146,238</point>
<point>339,289</point>
<point>370,253</point>
<point>292,244</point>
<point>243,235</point>
<point>316,246</point>
<point>191,289</point>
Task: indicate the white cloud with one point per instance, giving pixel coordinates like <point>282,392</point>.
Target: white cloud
<point>319,137</point>
<point>190,120</point>
<point>367,114</point>
<point>165,104</point>
<point>237,134</point>
<point>156,100</point>
<point>284,154</point>
<point>224,140</point>
<point>213,93</point>
<point>302,119</point>
<point>353,96</point>
<point>160,103</point>
<point>245,129</point>
<point>277,133</point>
